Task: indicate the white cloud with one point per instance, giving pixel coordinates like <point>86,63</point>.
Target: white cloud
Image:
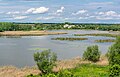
<point>39,10</point>
<point>15,12</point>
<point>100,13</point>
<point>103,18</point>
<point>108,15</point>
<point>83,18</point>
<point>60,10</point>
<point>30,10</point>
<point>99,3</point>
<point>45,18</point>
<point>67,18</point>
<point>19,17</point>
<point>80,12</point>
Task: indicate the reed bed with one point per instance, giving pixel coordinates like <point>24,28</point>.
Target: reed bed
<point>69,38</point>
<point>29,33</point>
<point>105,34</point>
<point>106,40</point>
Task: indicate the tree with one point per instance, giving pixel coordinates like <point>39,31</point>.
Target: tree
<point>92,53</point>
<point>45,61</point>
<point>114,58</point>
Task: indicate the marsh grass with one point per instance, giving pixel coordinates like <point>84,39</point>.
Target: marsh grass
<point>13,37</point>
<point>29,33</point>
<point>105,34</point>
<point>106,40</point>
<point>69,38</point>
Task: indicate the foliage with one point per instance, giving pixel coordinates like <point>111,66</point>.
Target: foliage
<point>92,53</point>
<point>45,61</point>
<point>9,26</point>
<point>114,70</point>
<point>114,58</point>
<point>82,70</point>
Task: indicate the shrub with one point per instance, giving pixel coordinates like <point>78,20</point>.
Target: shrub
<point>92,53</point>
<point>114,70</point>
<point>45,61</point>
<point>114,58</point>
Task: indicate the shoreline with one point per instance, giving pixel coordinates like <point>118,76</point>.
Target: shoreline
<point>29,33</point>
<point>12,71</point>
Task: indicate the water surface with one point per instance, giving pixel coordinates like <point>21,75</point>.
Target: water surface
<point>19,51</point>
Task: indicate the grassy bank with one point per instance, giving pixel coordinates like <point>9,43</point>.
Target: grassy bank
<point>29,33</point>
<point>69,38</point>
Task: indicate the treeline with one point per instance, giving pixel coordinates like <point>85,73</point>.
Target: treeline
<point>8,26</point>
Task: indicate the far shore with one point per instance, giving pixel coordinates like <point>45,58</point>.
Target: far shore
<point>29,33</point>
<point>45,32</point>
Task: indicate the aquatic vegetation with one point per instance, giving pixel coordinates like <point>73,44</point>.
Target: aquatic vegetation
<point>102,34</point>
<point>13,37</point>
<point>106,40</point>
<point>69,38</point>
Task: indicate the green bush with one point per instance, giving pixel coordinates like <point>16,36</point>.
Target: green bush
<point>114,70</point>
<point>114,58</point>
<point>45,61</point>
<point>92,53</point>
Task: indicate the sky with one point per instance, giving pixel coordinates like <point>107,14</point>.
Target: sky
<point>57,11</point>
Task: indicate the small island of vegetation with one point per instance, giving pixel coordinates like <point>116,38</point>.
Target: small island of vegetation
<point>69,38</point>
<point>96,34</point>
<point>106,40</point>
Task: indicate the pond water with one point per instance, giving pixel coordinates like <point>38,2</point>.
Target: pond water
<point>19,51</point>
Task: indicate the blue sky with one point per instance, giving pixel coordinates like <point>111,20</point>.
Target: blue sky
<point>50,11</point>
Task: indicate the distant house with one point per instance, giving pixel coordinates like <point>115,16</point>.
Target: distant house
<point>68,26</point>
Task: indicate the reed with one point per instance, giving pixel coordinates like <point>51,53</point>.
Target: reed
<point>69,38</point>
<point>29,33</point>
<point>105,34</point>
<point>106,40</point>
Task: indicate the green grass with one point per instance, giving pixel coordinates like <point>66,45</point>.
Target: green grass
<point>82,70</point>
<point>90,70</point>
